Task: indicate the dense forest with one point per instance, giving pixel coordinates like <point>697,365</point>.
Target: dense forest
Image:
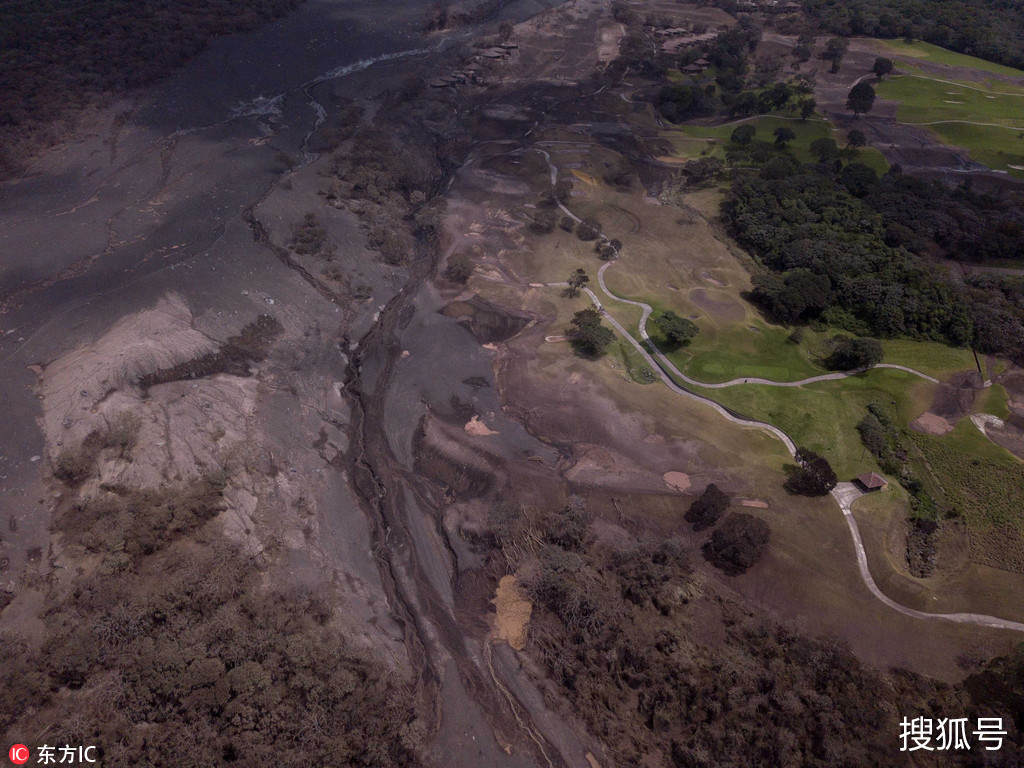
<point>57,55</point>
<point>991,29</point>
<point>856,250</point>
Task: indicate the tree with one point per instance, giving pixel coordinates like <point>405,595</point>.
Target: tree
<point>543,221</point>
<point>588,229</point>
<point>856,139</point>
<point>858,178</point>
<point>783,136</point>
<point>678,330</point>
<point>847,354</point>
<point>563,191</point>
<point>882,67</point>
<point>738,543</point>
<point>505,30</point>
<point>824,149</point>
<point>811,476</point>
<point>577,280</point>
<point>588,336</point>
<point>807,107</point>
<point>743,134</point>
<point>835,49</point>
<point>707,508</point>
<point>861,98</point>
<point>459,268</point>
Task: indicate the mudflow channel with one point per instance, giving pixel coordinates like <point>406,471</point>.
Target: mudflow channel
<point>109,224</point>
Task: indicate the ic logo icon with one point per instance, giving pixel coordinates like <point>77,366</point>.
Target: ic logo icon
<point>18,754</point>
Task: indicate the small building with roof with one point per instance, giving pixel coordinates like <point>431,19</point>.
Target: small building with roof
<point>871,481</point>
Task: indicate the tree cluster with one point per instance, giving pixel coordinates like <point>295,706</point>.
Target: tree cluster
<point>850,354</point>
<point>812,475</point>
<point>623,630</point>
<point>990,29</point>
<point>587,334</point>
<point>854,250</point>
<point>708,508</point>
<point>738,542</point>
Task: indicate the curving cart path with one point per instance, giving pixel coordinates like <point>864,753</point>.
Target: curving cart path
<point>844,493</point>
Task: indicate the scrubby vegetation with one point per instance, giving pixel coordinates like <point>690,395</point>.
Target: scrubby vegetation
<point>459,269</point>
<point>667,673</point>
<point>986,490</point>
<point>251,345</point>
<point>73,465</point>
<point>202,666</point>
<point>310,238</point>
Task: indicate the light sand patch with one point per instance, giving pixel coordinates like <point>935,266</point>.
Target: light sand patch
<point>586,178</point>
<point>677,481</point>
<point>710,279</point>
<point>947,101</point>
<point>553,339</point>
<point>985,421</point>
<point>405,353</point>
<point>931,424</point>
<point>608,41</point>
<point>754,503</point>
<point>592,760</point>
<point>477,428</point>
<point>513,613</point>
<point>491,346</point>
<point>671,160</point>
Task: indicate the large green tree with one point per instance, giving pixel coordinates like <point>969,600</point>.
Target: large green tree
<point>861,98</point>
<point>678,330</point>
<point>587,334</point>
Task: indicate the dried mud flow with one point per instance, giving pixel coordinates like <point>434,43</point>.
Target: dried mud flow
<point>189,204</point>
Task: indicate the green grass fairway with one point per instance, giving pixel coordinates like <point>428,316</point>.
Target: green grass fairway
<point>924,100</point>
<point>929,357</point>
<point>693,140</point>
<point>949,110</point>
<point>824,416</point>
<point>936,55</point>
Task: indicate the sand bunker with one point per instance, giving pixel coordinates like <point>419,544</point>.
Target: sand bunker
<point>931,424</point>
<point>677,481</point>
<point>710,279</point>
<point>476,427</point>
<point>754,503</point>
<point>983,421</point>
<point>513,613</point>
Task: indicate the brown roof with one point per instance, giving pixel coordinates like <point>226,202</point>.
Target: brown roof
<point>872,480</point>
